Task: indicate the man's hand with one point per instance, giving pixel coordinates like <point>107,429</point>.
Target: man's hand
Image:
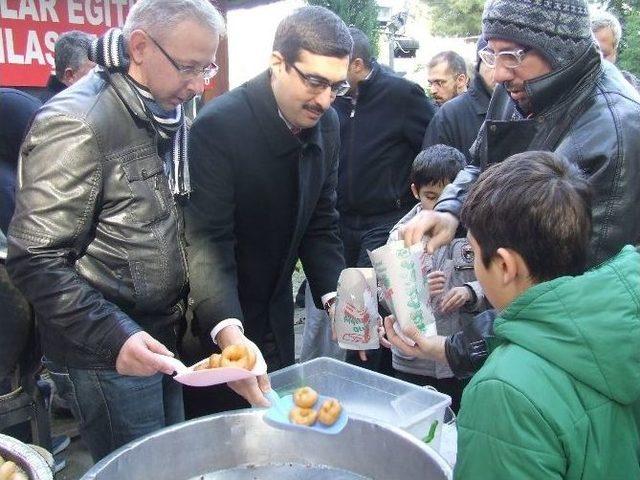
<point>431,348</point>
<point>440,226</point>
<point>436,281</point>
<point>252,389</point>
<point>143,356</point>
<point>454,299</point>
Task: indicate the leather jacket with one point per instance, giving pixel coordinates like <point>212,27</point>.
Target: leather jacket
<point>587,112</point>
<point>96,242</point>
<point>467,350</point>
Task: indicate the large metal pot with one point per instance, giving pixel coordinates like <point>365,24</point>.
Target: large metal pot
<point>240,445</point>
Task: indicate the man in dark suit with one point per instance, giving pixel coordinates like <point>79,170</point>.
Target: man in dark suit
<point>264,164</point>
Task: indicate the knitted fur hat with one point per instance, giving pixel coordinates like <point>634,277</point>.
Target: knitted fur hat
<point>558,29</point>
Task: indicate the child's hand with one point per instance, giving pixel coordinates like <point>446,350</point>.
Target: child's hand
<point>362,354</point>
<point>454,299</point>
<point>436,281</point>
<point>431,348</point>
<point>382,333</point>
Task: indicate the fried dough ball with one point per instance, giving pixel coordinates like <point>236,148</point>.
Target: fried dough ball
<point>238,356</point>
<point>329,412</point>
<point>7,470</point>
<point>214,360</point>
<point>303,416</point>
<point>305,397</point>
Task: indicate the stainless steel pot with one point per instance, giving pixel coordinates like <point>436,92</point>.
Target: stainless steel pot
<point>240,445</point>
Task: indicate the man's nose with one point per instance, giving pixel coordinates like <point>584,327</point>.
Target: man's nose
<point>196,85</point>
<point>502,73</point>
<point>325,98</point>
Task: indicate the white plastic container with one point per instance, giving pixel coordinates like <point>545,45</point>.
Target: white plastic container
<point>418,410</point>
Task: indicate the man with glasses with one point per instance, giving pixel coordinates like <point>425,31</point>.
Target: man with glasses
<point>554,93</point>
<point>264,173</point>
<point>448,76</point>
<point>96,242</point>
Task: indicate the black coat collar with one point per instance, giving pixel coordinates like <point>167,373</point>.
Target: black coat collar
<point>480,95</point>
<point>265,108</point>
<point>550,92</point>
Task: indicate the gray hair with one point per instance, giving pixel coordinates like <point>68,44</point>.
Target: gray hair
<point>602,19</point>
<point>157,16</point>
<point>71,51</point>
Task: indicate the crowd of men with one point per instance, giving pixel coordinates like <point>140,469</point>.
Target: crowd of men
<point>127,230</point>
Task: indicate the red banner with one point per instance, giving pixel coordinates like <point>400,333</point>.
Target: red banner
<point>30,28</point>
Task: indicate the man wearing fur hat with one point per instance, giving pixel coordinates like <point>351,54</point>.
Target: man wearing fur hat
<point>554,93</point>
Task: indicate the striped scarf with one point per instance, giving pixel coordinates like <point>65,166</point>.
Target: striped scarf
<point>109,51</point>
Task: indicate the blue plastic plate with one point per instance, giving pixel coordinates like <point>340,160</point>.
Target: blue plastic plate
<point>278,415</point>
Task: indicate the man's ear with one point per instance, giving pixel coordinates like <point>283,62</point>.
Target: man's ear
<point>276,61</point>
<point>511,264</point>
<point>461,83</point>
<point>68,77</point>
<point>415,192</point>
<point>138,43</point>
<point>357,65</point>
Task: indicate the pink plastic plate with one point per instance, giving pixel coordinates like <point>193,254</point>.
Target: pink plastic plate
<point>215,376</point>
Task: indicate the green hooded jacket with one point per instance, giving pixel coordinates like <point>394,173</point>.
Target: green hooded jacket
<point>559,395</point>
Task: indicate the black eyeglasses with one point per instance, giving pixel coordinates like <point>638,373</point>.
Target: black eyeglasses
<point>318,84</point>
<point>207,73</point>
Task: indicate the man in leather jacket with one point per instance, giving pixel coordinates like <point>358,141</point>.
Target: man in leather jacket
<point>554,93</point>
<point>96,242</point>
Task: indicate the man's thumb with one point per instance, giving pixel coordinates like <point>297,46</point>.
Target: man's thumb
<point>157,347</point>
<point>412,332</point>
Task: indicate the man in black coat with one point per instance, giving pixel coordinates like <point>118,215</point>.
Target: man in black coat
<point>458,121</point>
<point>382,124</point>
<point>264,169</point>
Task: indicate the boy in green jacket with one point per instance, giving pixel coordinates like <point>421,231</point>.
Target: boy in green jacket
<point>555,399</point>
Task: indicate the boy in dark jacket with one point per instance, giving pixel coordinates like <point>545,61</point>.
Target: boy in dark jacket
<point>556,397</point>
